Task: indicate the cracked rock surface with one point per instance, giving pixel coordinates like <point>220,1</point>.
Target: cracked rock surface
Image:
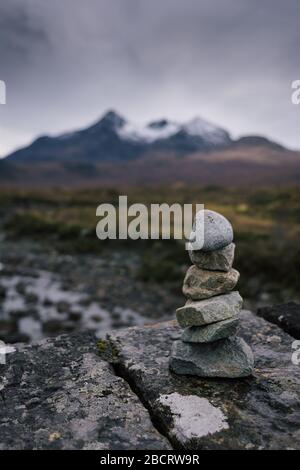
<point>59,394</point>
<point>64,393</point>
<point>259,412</point>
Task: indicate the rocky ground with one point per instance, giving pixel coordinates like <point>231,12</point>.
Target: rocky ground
<point>45,293</point>
<point>74,393</point>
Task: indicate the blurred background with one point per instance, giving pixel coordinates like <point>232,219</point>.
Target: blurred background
<point>163,101</point>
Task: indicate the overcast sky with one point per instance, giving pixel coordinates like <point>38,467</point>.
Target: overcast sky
<point>65,62</point>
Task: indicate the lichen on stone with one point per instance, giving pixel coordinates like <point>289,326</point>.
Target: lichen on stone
<point>107,350</point>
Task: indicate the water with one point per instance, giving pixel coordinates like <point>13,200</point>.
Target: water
<point>37,306</point>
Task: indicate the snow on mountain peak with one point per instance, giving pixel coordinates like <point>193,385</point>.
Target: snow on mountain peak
<point>148,133</point>
<point>207,130</point>
<point>164,129</point>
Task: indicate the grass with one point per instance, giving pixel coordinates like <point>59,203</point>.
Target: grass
<point>266,224</point>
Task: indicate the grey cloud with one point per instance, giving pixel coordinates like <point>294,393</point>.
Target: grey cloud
<point>231,61</point>
<point>19,35</point>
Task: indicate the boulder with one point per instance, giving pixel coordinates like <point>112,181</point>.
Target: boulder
<point>200,284</point>
<point>205,312</point>
<point>210,333</point>
<point>218,260</point>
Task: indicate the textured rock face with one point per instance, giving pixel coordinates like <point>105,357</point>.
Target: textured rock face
<point>230,358</point>
<point>217,230</point>
<point>204,312</point>
<point>218,260</point>
<point>200,284</point>
<point>60,395</point>
<point>287,316</point>
<point>210,333</point>
<point>261,412</point>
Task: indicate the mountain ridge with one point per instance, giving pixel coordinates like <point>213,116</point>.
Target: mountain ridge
<point>113,152</point>
<point>115,138</point>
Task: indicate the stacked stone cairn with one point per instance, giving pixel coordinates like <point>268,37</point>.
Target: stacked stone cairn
<point>209,346</point>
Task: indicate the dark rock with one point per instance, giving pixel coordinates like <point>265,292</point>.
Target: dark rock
<point>200,284</point>
<point>59,394</point>
<point>63,307</point>
<point>230,358</point>
<point>47,302</point>
<point>31,298</point>
<point>262,412</point>
<point>17,314</point>
<point>8,328</point>
<point>75,316</point>
<point>2,293</point>
<point>21,288</point>
<point>287,316</point>
<point>53,326</point>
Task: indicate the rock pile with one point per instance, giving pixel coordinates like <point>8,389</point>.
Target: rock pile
<point>208,345</point>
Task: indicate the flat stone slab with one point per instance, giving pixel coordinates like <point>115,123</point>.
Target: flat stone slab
<point>59,394</point>
<point>218,260</point>
<point>231,358</point>
<point>210,333</point>
<point>260,412</point>
<point>205,312</point>
<point>200,284</point>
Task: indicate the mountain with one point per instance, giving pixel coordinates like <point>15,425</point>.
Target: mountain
<point>114,138</point>
<point>115,152</point>
<point>258,141</point>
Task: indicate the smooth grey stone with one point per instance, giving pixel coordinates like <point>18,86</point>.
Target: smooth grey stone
<point>200,284</point>
<point>205,312</point>
<point>210,333</point>
<point>228,358</point>
<point>218,260</point>
<point>213,230</point>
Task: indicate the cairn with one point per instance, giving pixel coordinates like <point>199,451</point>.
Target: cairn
<point>209,346</point>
